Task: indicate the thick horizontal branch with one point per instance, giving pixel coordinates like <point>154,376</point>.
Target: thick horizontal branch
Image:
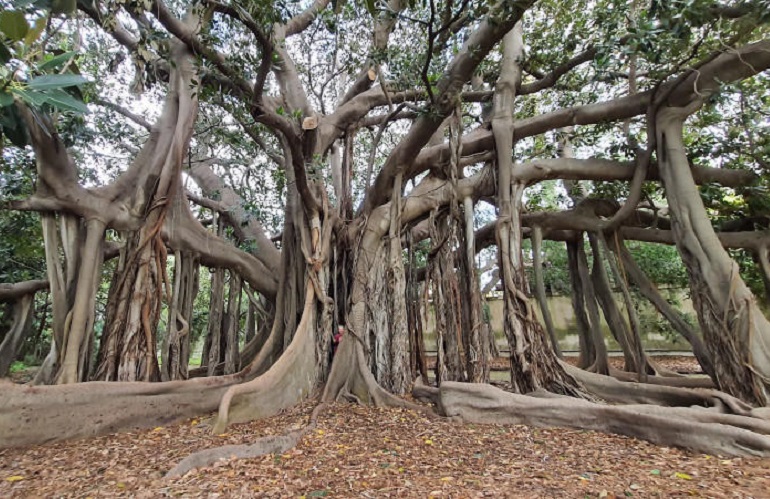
<point>14,291</point>
<point>729,66</point>
<point>181,231</point>
<point>608,170</point>
<point>245,225</point>
<point>751,240</point>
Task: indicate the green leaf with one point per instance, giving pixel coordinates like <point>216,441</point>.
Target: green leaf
<point>46,82</point>
<point>57,61</point>
<point>31,97</point>
<point>14,24</point>
<point>6,99</point>
<point>318,493</point>
<point>62,100</point>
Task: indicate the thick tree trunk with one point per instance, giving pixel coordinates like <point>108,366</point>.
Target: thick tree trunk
<point>231,325</point>
<point>735,330</point>
<point>612,315</point>
<point>415,317</point>
<point>295,374</point>
<point>475,333</point>
<point>212,355</point>
<point>634,335</point>
<point>79,324</point>
<point>129,341</point>
<point>578,298</point>
<point>400,367</point>
<point>447,309</point>
<point>351,376</point>
<point>533,364</point>
<point>73,291</point>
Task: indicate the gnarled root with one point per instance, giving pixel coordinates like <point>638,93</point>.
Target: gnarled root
<point>694,429</point>
<point>41,414</point>
<point>664,380</point>
<point>350,379</point>
<point>273,444</point>
<point>286,383</point>
<point>621,392</point>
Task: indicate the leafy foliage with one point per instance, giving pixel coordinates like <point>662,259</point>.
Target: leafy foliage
<point>45,79</point>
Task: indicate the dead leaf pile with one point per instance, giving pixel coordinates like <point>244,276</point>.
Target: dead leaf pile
<point>360,451</point>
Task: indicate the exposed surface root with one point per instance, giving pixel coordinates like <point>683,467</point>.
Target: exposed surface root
<point>693,429</point>
<point>36,415</point>
<point>663,380</point>
<point>351,380</point>
<point>285,384</point>
<point>621,392</point>
<point>266,445</point>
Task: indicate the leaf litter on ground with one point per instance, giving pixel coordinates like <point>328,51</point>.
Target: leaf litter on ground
<point>358,451</point>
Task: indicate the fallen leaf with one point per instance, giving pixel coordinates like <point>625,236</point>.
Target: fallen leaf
<point>683,476</point>
<point>14,478</point>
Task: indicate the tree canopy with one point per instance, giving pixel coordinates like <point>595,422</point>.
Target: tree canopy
<point>340,164</point>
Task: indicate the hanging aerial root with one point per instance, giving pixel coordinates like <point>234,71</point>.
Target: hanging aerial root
<point>690,428</point>
<point>285,384</point>
<point>274,444</point>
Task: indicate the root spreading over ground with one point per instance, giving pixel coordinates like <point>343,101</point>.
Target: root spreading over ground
<point>356,451</point>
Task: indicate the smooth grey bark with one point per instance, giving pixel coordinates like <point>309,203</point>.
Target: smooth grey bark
<point>537,264</point>
<point>735,330</point>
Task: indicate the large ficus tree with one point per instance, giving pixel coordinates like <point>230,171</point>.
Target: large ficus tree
<point>372,163</point>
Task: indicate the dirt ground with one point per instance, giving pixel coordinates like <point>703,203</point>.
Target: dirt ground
<point>367,452</point>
